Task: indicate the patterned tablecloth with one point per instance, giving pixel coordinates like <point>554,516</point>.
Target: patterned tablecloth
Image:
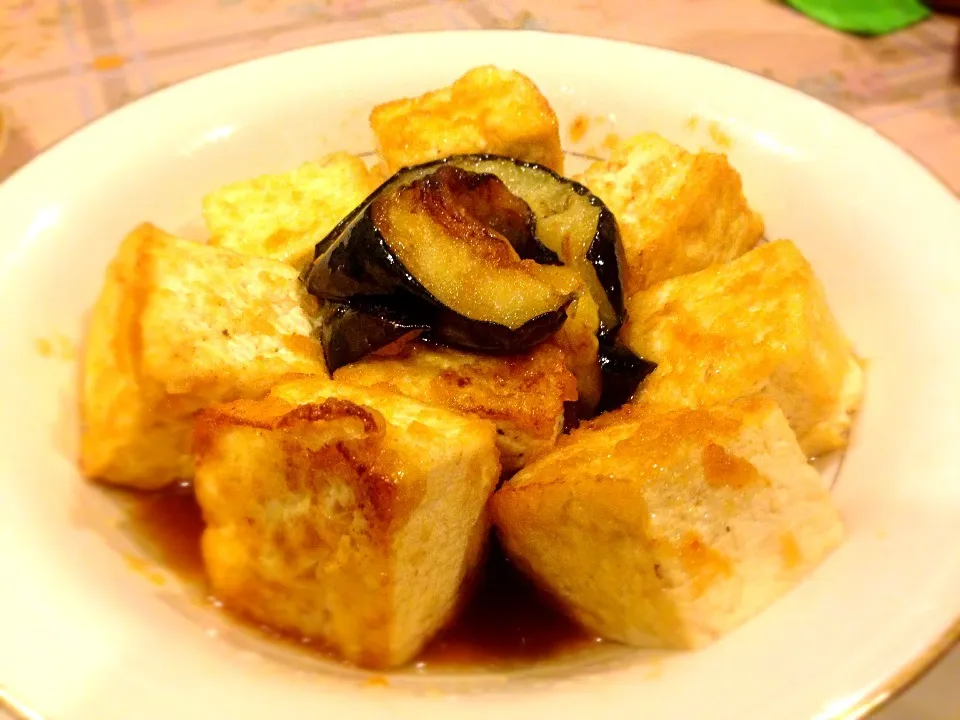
<point>65,62</point>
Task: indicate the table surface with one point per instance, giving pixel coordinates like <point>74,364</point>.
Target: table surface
<point>65,62</point>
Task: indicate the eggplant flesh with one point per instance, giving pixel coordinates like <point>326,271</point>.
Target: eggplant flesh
<point>427,252</point>
<point>570,221</point>
<point>457,258</point>
<point>484,198</point>
<point>441,255</point>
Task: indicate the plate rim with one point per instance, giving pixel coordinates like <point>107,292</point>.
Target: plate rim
<point>763,79</point>
<point>911,670</point>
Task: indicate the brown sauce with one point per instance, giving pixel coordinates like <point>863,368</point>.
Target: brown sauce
<point>169,525</point>
<point>506,622</point>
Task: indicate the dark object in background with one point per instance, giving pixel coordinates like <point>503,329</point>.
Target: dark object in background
<point>945,6</point>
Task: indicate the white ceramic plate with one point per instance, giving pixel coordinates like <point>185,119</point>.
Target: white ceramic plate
<point>84,637</point>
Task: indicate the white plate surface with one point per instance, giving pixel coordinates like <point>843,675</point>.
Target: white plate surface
<point>83,637</point>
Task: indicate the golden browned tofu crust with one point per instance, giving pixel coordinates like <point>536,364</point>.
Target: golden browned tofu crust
<point>523,395</point>
<point>178,326</point>
<point>486,110</point>
<point>283,216</point>
<point>349,516</point>
<point>577,338</point>
<point>670,529</point>
<point>758,325</point>
<point>678,212</point>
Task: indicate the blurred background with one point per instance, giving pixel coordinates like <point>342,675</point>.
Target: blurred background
<point>894,64</point>
<point>64,62</point>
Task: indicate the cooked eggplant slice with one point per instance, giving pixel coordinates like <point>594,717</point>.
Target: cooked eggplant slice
<point>351,332</point>
<point>484,197</point>
<point>490,337</point>
<point>458,246</point>
<point>570,221</point>
<point>441,255</point>
<point>458,259</point>
<point>621,372</point>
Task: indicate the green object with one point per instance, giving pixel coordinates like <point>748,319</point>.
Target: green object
<point>864,17</point>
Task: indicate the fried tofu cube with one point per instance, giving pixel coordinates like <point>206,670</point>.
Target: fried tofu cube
<point>758,325</point>
<point>577,338</point>
<point>668,530</point>
<point>355,517</point>
<point>678,212</point>
<point>284,216</point>
<point>178,326</point>
<point>523,395</point>
<point>486,110</point>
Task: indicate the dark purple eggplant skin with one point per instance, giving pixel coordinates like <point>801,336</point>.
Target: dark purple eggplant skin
<point>605,254</point>
<point>605,251</point>
<point>621,372</point>
<point>519,232</point>
<point>351,332</point>
<point>361,265</point>
<point>457,331</point>
<point>359,268</point>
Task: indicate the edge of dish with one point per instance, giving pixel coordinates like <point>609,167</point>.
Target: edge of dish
<point>530,33</point>
<point>895,686</point>
<point>870,703</point>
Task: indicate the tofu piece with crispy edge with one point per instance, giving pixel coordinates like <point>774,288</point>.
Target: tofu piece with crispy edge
<point>355,517</point>
<point>486,110</point>
<point>178,326</point>
<point>758,325</point>
<point>283,216</point>
<point>577,337</point>
<point>669,530</point>
<point>678,212</point>
<point>523,395</point>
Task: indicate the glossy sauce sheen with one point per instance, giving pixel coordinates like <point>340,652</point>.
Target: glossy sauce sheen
<point>507,621</point>
<point>169,524</point>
